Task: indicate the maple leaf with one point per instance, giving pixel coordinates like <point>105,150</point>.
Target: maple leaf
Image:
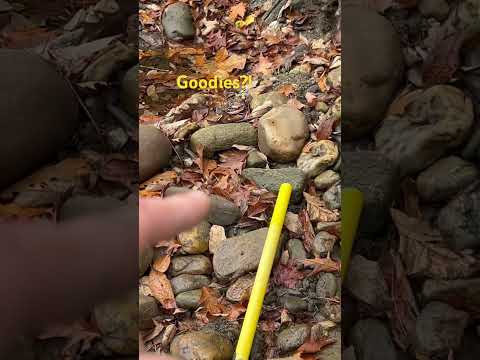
<point>314,346</point>
<point>322,265</point>
<point>287,275</point>
<point>237,11</point>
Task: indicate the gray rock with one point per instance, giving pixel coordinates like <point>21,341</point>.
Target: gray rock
<point>366,283</point>
<point>154,151</point>
<point>42,114</point>
<point>322,155</point>
<point>368,83</point>
<point>282,133</point>
<point>327,285</point>
<point>202,345</point>
<point>323,243</point>
<point>240,289</point>
<point>293,304</point>
<point>256,159</point>
<point>80,206</point>
<point>296,250</point>
<point>459,222</point>
<point>326,179</point>
<point>445,178</point>
<point>439,120</point>
<point>372,341</point>
<point>273,97</point>
<point>117,321</point>
<point>194,265</point>
<point>377,178</point>
<point>189,299</point>
<point>271,179</point>
<point>177,22</point>
<point>187,282</point>
<point>292,337</point>
<point>222,211</point>
<point>144,261</point>
<point>222,137</point>
<point>147,309</point>
<point>437,9</point>
<point>129,91</point>
<point>464,294</point>
<point>239,255</point>
<point>439,328</point>
<point>117,138</point>
<point>332,197</point>
<point>195,241</point>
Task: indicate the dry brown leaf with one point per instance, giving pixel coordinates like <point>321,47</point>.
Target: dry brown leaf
<point>237,11</point>
<point>425,253</point>
<point>287,275</point>
<point>314,346</point>
<point>210,300</point>
<point>287,89</point>
<point>264,66</point>
<point>233,62</point>
<point>162,289</point>
<point>161,263</point>
<point>308,234</point>
<point>322,265</point>
<point>318,211</point>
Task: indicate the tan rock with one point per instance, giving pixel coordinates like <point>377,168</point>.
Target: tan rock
<point>240,289</point>
<point>273,97</point>
<point>195,241</point>
<point>202,345</point>
<point>322,155</point>
<point>282,133</point>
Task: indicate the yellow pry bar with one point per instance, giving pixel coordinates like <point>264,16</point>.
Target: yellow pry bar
<point>259,289</point>
<point>352,204</point>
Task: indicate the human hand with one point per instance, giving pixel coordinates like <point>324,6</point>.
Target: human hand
<point>54,274</point>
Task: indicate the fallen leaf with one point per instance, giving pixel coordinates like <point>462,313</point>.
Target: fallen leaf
<point>317,210</point>
<point>425,253</point>
<point>308,234</point>
<point>249,20</point>
<point>311,99</point>
<point>237,11</point>
<point>235,311</point>
<point>234,62</point>
<point>264,66</point>
<point>314,346</point>
<point>325,129</point>
<point>161,263</point>
<point>162,289</point>
<point>287,89</point>
<point>210,300</point>
<point>295,103</point>
<point>322,265</point>
<point>287,275</point>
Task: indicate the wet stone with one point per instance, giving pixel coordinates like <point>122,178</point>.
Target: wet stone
<point>294,304</point>
<point>296,250</point>
<point>194,265</point>
<point>446,178</point>
<point>439,328</point>
<point>292,337</point>
<point>327,285</point>
<point>189,299</point>
<point>271,179</point>
<point>195,241</point>
<point>326,179</point>
<point>222,137</point>
<point>202,345</point>
<point>187,282</point>
<point>459,222</point>
<point>240,289</point>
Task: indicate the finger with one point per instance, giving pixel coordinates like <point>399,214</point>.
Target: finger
<point>155,357</point>
<point>160,219</point>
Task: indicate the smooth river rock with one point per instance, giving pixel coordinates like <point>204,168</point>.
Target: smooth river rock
<point>154,151</point>
<point>239,255</point>
<point>193,264</point>
<point>446,178</point>
<point>222,137</point>
<point>195,240</point>
<point>459,220</point>
<point>187,282</point>
<point>274,98</point>
<point>177,22</point>
<point>368,82</point>
<point>439,120</point>
<point>292,337</point>
<point>271,179</point>
<point>189,299</point>
<point>282,133</point>
<point>322,155</point>
<point>202,345</point>
<point>39,114</point>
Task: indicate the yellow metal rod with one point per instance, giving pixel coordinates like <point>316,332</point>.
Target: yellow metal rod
<point>352,204</point>
<point>255,303</point>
